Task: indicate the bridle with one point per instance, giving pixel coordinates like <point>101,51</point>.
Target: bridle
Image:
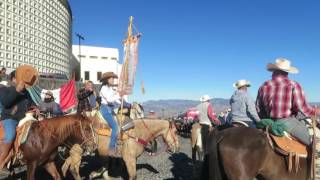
<point>86,139</point>
<point>144,143</point>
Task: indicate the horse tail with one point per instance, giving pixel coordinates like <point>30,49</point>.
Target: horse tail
<point>212,168</point>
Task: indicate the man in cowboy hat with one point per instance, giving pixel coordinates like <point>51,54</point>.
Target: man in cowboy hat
<point>242,105</point>
<point>49,106</point>
<point>16,101</point>
<point>281,99</point>
<point>207,117</point>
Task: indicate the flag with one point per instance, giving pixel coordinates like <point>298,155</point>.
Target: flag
<point>128,71</point>
<point>65,96</point>
<point>142,88</point>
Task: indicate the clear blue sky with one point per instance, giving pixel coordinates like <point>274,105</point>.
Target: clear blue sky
<point>195,47</point>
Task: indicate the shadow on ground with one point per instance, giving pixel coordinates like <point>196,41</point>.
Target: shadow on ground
<point>182,167</point>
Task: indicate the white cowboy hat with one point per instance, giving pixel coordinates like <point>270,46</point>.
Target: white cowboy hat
<point>205,98</point>
<point>241,83</point>
<point>282,64</point>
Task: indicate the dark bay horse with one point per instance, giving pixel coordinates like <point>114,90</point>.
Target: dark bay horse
<point>46,135</point>
<point>243,154</point>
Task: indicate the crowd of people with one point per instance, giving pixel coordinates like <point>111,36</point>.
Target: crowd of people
<point>279,99</point>
<point>15,101</point>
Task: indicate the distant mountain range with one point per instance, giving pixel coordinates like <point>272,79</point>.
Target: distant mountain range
<point>169,108</point>
<point>173,107</point>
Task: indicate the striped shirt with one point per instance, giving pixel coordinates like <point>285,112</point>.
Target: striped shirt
<point>281,98</point>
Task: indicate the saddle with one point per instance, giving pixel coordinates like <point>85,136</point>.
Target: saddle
<point>102,128</point>
<point>23,130</point>
<point>290,147</point>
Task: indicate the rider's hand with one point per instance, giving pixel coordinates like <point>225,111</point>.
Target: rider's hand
<point>20,87</point>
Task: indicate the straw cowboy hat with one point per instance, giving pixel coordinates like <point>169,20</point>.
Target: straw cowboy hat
<point>241,83</point>
<point>27,75</point>
<point>205,98</point>
<point>108,75</point>
<point>282,64</point>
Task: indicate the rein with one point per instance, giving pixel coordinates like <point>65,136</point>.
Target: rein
<point>144,143</point>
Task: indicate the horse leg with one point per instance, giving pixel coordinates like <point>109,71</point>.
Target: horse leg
<point>31,169</point>
<point>131,163</point>
<point>52,170</point>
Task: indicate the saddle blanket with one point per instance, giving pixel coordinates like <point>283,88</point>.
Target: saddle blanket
<point>107,132</point>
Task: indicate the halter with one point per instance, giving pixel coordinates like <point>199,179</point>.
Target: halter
<point>86,139</point>
<point>144,143</point>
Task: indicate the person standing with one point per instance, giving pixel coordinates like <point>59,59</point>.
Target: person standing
<point>243,107</point>
<point>87,97</point>
<point>282,99</point>
<point>49,106</point>
<point>16,101</point>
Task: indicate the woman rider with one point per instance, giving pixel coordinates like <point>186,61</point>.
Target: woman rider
<point>110,99</point>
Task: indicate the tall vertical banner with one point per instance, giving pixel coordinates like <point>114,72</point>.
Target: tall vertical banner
<point>128,71</point>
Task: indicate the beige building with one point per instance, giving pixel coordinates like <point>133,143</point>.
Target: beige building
<point>36,32</point>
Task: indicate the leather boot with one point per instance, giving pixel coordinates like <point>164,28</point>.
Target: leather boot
<point>4,152</point>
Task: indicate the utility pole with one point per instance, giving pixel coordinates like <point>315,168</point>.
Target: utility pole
<point>80,38</point>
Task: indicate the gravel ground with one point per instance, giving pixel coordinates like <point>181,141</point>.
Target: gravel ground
<point>164,166</point>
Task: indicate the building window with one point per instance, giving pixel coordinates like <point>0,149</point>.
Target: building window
<point>93,57</point>
<point>99,74</point>
<point>86,75</point>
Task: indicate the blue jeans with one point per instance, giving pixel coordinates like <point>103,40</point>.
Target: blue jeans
<point>9,126</point>
<point>107,113</point>
<point>298,129</point>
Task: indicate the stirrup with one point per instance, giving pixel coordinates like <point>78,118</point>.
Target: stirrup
<point>128,124</point>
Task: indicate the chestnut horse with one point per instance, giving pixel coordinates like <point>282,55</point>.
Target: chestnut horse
<point>45,136</point>
<point>245,153</point>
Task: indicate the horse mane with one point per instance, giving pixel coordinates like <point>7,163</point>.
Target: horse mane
<point>62,126</point>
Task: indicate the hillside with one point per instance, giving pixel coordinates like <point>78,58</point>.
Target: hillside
<point>174,107</point>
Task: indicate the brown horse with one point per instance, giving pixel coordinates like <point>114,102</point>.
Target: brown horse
<point>245,153</point>
<point>45,136</point>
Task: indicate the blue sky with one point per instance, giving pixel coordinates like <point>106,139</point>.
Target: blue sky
<point>195,47</point>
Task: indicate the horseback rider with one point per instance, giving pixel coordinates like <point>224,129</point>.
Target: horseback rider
<point>281,99</point>
<point>110,99</point>
<point>49,106</point>
<point>206,117</point>
<point>86,97</point>
<point>242,105</point>
<point>16,101</point>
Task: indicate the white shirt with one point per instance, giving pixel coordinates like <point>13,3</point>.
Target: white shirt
<point>109,95</point>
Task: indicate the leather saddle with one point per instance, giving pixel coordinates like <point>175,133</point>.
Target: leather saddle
<point>23,130</point>
<point>290,147</point>
<point>102,128</point>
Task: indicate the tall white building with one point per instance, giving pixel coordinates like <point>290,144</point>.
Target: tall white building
<point>36,32</point>
<point>97,60</point>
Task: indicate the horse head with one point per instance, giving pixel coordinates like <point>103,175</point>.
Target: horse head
<point>171,138</point>
<point>137,111</point>
<point>85,133</point>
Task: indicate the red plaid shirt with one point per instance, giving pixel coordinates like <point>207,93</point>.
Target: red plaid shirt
<point>282,98</point>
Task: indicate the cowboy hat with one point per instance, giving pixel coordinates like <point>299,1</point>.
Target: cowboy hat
<point>282,64</point>
<point>241,83</point>
<point>27,75</point>
<point>108,75</point>
<point>205,98</point>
